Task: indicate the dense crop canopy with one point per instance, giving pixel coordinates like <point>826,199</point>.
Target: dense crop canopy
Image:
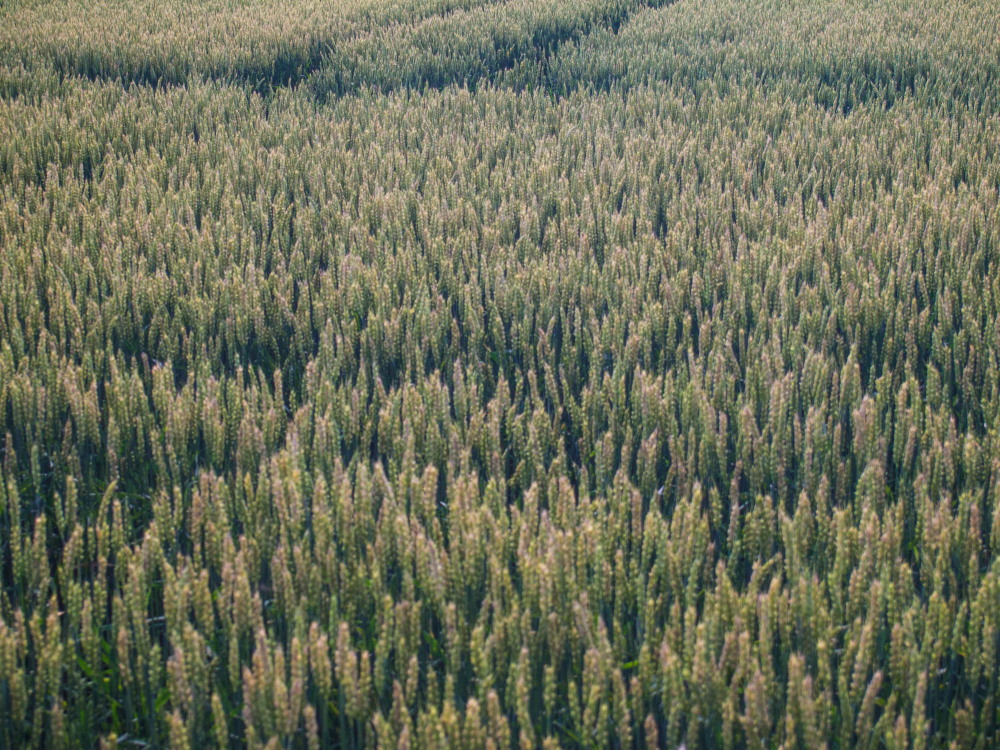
<point>500,373</point>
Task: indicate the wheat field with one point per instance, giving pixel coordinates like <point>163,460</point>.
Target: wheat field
<point>500,374</point>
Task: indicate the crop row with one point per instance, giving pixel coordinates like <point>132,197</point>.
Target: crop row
<point>839,54</point>
<point>467,48</point>
<point>172,42</point>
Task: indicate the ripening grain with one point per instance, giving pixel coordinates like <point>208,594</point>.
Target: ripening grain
<point>500,374</point>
